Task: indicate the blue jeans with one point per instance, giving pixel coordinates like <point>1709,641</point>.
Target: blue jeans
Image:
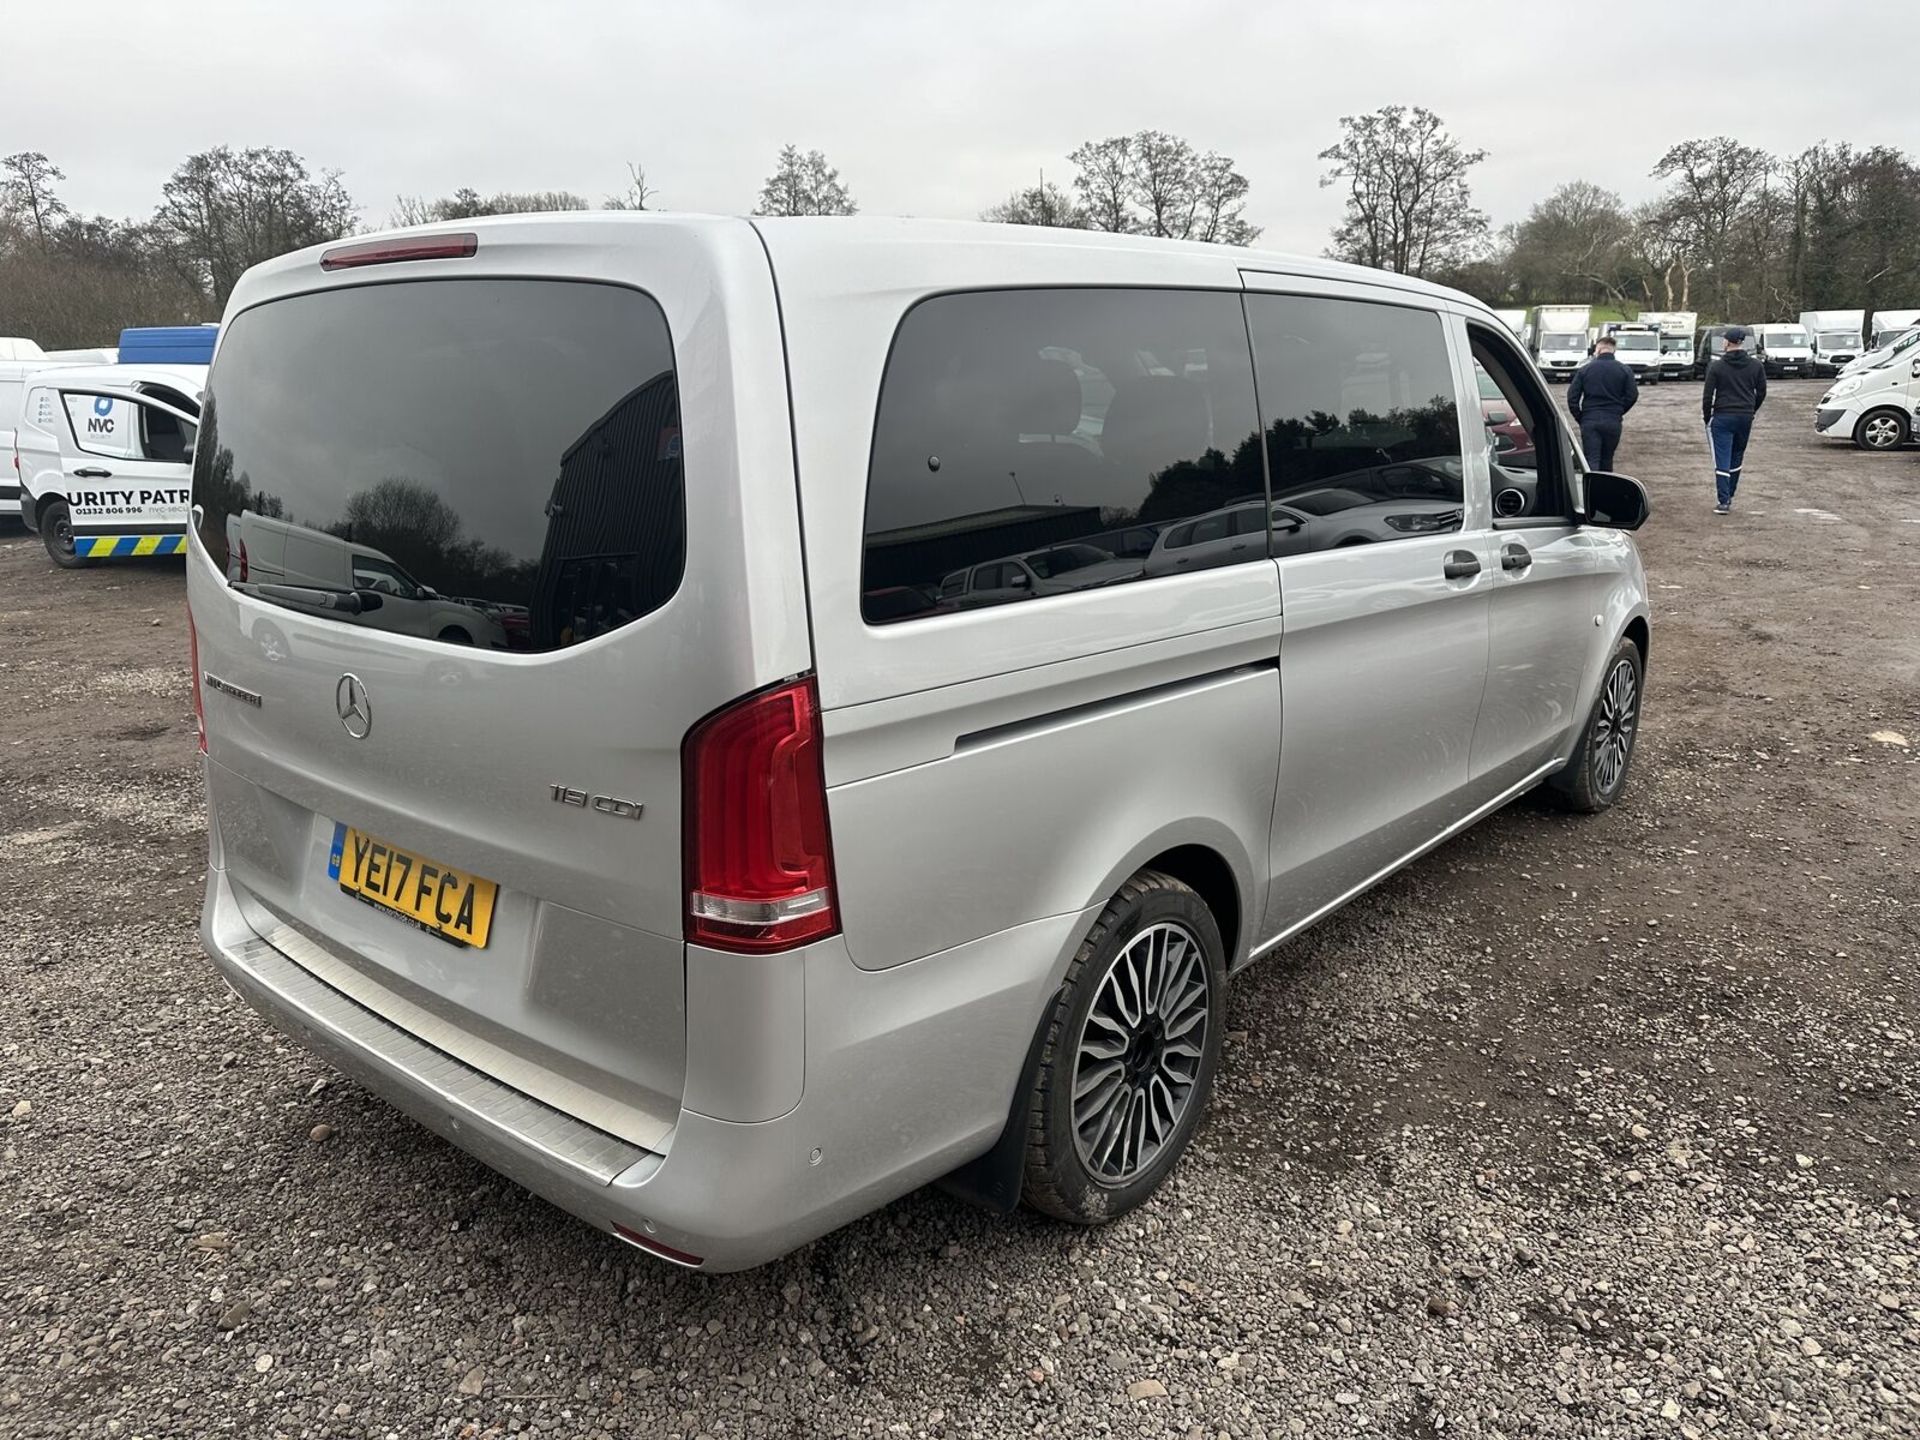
<point>1729,434</point>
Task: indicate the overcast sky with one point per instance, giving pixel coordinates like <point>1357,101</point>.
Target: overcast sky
<point>926,108</point>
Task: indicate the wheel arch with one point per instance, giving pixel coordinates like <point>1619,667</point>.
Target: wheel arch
<point>1201,854</point>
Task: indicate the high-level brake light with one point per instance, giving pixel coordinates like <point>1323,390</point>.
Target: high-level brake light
<point>389,252</point>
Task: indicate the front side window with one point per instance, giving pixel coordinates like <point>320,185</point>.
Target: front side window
<point>1526,462</point>
<point>513,443</point>
<point>1363,425</point>
<point>116,428</point>
<point>1052,439</point>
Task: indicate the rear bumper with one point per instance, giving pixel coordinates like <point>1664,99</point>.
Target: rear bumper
<point>909,1074</point>
<point>9,499</point>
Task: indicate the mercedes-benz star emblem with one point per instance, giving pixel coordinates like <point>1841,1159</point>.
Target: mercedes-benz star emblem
<point>356,710</point>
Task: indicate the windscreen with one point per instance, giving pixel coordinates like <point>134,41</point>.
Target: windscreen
<point>480,462</point>
<point>1558,340</point>
<point>1637,340</point>
<point>1786,340</point>
<point>1838,340</point>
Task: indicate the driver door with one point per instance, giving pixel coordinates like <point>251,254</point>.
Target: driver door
<point>1546,584</point>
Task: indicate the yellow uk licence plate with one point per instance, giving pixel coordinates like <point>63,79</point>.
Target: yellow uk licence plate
<point>443,901</point>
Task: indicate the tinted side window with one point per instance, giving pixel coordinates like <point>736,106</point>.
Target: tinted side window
<point>1363,428</point>
<point>1066,429</point>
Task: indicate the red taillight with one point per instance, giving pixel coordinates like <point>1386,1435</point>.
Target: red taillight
<point>759,864</point>
<point>243,561</point>
<point>389,252</point>
<point>654,1247</point>
<point>193,659</point>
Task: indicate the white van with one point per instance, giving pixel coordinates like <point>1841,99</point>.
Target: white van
<point>307,568</point>
<point>1784,350</point>
<point>104,454</point>
<point>762,884</point>
<point>1877,408</point>
<point>19,359</point>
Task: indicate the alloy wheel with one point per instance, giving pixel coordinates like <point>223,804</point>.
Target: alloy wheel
<point>1137,1064</point>
<point>1613,728</point>
<point>1882,432</point>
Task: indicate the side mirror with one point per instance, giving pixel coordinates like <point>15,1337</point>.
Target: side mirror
<point>1018,580</point>
<point>1615,502</point>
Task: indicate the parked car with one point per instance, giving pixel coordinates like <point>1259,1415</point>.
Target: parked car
<point>752,894</point>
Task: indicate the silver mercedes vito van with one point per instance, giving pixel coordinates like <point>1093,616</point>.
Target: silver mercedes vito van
<point>936,658</point>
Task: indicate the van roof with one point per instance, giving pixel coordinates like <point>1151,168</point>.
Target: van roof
<point>191,378</point>
<point>833,252</point>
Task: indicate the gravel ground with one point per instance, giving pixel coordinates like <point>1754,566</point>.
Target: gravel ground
<point>1600,1128</point>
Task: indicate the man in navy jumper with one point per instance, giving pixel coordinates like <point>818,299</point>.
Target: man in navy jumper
<point>1602,392</point>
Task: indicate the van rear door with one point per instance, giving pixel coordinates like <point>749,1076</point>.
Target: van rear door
<point>475,832</point>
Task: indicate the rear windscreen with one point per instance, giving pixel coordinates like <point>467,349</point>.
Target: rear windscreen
<point>480,462</point>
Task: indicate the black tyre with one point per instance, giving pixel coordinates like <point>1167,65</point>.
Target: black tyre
<point>1128,1060</point>
<point>1596,776</point>
<point>1882,430</point>
<point>56,533</point>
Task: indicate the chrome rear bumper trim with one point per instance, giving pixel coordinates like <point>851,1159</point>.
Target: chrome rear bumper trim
<point>311,1001</point>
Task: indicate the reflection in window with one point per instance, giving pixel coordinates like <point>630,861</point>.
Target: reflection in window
<point>481,462</point>
<point>1039,443</point>
<point>1363,428</point>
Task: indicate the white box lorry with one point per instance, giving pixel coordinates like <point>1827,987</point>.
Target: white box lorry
<point>1636,344</point>
<point>1560,339</point>
<point>1834,336</point>
<point>1890,325</point>
<point>1679,333</point>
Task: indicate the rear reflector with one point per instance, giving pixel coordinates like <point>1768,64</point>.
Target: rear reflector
<point>390,252</point>
<point>193,659</point>
<point>759,863</point>
<point>654,1247</point>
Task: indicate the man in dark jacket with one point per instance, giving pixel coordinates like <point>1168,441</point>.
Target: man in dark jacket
<point>1602,392</point>
<point>1735,389</point>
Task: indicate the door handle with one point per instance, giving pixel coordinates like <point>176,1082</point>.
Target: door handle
<point>1461,565</point>
<point>1515,558</point>
<point>92,472</point>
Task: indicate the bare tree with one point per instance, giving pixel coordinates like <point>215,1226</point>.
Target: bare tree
<point>28,188</point>
<point>466,203</point>
<point>1041,204</point>
<point>223,211</point>
<point>638,195</point>
<point>1153,183</point>
<point>1219,197</point>
<point>1409,207</point>
<point>804,185</point>
<point>1713,181</point>
<point>1105,183</point>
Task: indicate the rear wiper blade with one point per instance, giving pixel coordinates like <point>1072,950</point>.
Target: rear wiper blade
<point>348,602</point>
